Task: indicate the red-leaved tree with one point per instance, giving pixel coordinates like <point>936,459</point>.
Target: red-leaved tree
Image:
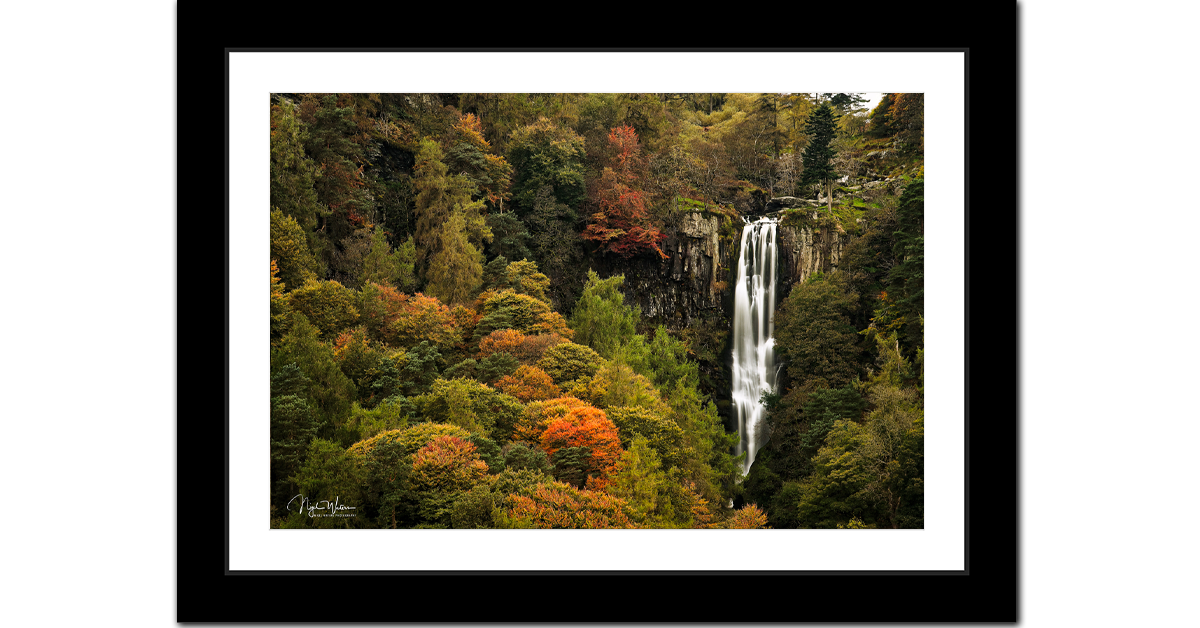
<point>621,222</point>
<point>585,429</point>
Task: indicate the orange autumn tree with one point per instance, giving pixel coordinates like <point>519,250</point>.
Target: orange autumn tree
<point>403,320</point>
<point>529,383</point>
<point>750,517</point>
<point>621,222</point>
<point>501,341</point>
<point>584,447</point>
<point>538,416</point>
<point>560,505</point>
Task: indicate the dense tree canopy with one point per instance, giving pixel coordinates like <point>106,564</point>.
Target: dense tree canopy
<point>456,301</point>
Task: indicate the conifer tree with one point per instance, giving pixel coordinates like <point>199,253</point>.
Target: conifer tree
<point>293,174</point>
<point>818,155</point>
<point>439,195</point>
<point>455,270</point>
<point>906,281</point>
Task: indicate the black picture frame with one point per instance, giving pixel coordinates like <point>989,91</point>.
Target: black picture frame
<point>991,584</point>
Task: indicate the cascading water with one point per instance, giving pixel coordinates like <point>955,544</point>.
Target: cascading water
<point>753,327</point>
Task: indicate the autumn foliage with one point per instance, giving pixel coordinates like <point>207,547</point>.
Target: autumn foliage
<point>751,517</point>
<point>621,221</point>
<point>447,462</point>
<point>538,415</point>
<point>529,315</point>
<point>501,341</point>
<point>560,505</point>
<point>529,383</point>
<point>589,428</point>
<point>403,320</point>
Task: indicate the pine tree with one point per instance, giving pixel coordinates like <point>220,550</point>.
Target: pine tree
<point>818,155</point>
<point>456,270</point>
<point>439,195</point>
<point>906,281</point>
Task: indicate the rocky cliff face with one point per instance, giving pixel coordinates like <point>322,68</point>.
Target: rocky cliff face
<point>806,250</point>
<point>696,281</point>
<point>693,282</point>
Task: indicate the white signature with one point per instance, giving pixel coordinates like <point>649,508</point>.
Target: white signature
<point>323,508</point>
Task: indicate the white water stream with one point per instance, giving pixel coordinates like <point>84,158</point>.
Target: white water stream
<point>754,369</point>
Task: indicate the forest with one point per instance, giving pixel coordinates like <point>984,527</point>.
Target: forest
<point>456,341</point>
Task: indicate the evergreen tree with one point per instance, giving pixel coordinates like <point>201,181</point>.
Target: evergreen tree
<point>289,248</point>
<point>844,103</point>
<point>906,281</point>
<point>293,426</point>
<point>386,267</point>
<point>439,195</point>
<point>293,174</point>
<point>557,247</point>
<point>456,269</point>
<point>818,155</point>
<point>601,319</point>
<point>882,124</point>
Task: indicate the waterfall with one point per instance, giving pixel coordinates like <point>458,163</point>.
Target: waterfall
<point>753,328</point>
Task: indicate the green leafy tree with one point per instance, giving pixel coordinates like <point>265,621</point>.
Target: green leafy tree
<point>522,456</point>
<point>818,155</point>
<point>640,480</point>
<point>483,505</point>
<point>386,462</point>
<point>281,311</point>
<point>329,305</point>
<point>329,475</point>
<point>473,406</point>
<point>420,368</point>
<point>293,174</point>
<point>668,360</point>
<point>455,270</point>
<point>373,369</point>
<point>892,451</point>
<point>510,236</point>
<point>708,465</point>
<point>882,124</point>
<point>522,312</point>
<point>328,390</point>
<point>661,434</point>
<point>814,334</point>
<point>568,361</point>
<point>494,366</point>
<point>523,277</point>
<point>845,103</point>
<point>333,143</point>
<point>546,154</point>
<point>907,115</point>
<point>557,247</point>
<point>293,426</point>
<point>289,249</point>
<point>469,153</point>
<point>489,452</point>
<point>601,319</point>
<point>833,493</point>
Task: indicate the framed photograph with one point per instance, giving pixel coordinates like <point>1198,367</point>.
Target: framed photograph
<point>756,204</point>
